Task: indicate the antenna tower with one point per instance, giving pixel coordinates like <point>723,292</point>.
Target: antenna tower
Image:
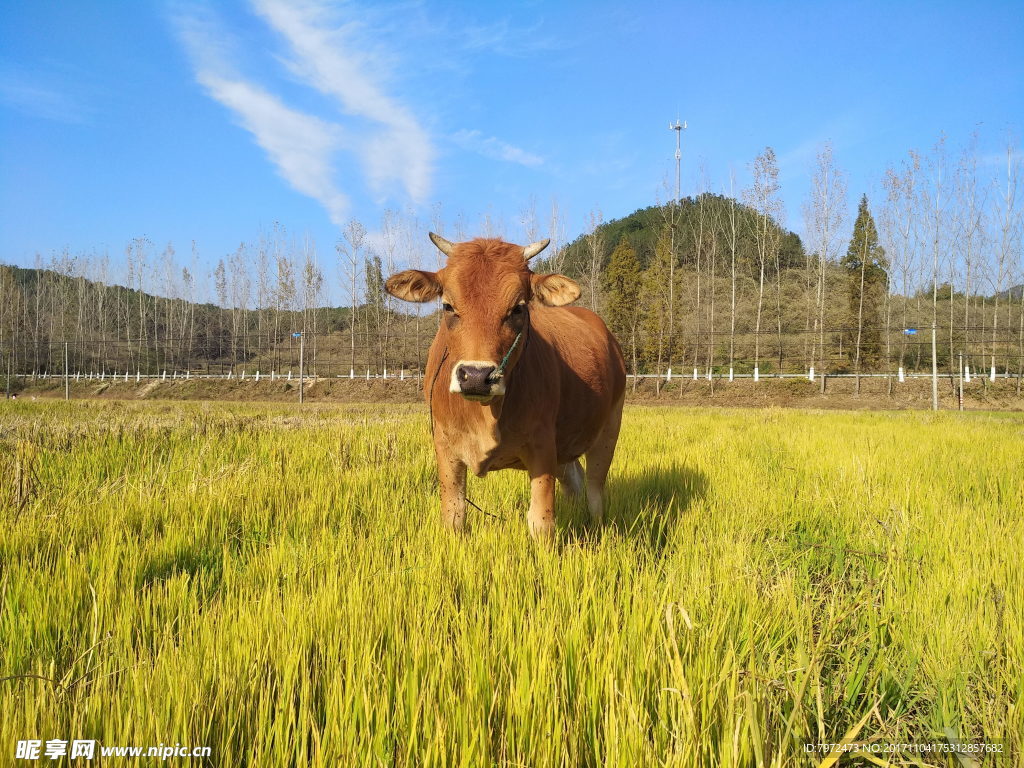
<point>678,128</point>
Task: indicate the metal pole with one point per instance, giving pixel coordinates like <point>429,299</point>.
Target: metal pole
<point>678,128</point>
<point>935,371</point>
<point>10,356</point>
<point>67,395</point>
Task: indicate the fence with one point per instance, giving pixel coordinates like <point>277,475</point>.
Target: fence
<point>403,356</point>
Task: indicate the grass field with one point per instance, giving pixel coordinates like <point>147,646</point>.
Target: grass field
<point>274,584</point>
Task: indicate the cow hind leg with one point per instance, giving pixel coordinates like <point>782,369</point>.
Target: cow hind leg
<point>599,460</point>
<point>571,477</point>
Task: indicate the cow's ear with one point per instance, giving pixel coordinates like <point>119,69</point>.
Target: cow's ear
<point>554,290</point>
<point>414,285</point>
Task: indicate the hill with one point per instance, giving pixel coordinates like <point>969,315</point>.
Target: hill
<point>695,218</point>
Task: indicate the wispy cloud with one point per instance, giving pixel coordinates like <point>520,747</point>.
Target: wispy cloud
<point>840,130</point>
<point>496,149</point>
<point>324,55</point>
<point>301,146</point>
<point>1000,159</point>
<point>30,96</point>
<point>327,56</point>
<point>503,38</point>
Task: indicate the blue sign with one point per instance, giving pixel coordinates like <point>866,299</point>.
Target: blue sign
<point>910,331</point>
<point>296,335</point>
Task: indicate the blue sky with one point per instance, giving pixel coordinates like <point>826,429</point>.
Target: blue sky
<point>209,122</point>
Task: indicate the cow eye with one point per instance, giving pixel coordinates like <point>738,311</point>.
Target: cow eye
<point>447,307</point>
<point>517,310</point>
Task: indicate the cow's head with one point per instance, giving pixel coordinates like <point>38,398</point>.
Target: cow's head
<point>486,289</point>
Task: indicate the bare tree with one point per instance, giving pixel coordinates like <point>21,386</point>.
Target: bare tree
<point>595,253</point>
<point>284,287</point>
<point>763,197</point>
<point>970,232</point>
<point>732,238</point>
<point>825,215</point>
<point>556,231</point>
<point>935,198</point>
<point>1009,241</point>
<point>312,290</point>
<point>391,230</point>
<point>350,260</point>
<point>263,290</point>
<point>900,224</point>
<point>700,234</point>
<point>716,226</point>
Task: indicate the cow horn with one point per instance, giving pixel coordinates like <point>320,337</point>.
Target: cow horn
<point>534,248</point>
<point>443,245</point>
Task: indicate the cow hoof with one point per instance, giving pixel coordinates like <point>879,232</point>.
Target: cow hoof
<point>455,526</point>
<point>543,533</point>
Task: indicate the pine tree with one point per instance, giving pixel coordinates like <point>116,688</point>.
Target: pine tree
<point>867,272</point>
<point>623,281</point>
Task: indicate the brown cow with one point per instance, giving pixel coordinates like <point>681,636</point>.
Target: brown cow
<point>515,379</point>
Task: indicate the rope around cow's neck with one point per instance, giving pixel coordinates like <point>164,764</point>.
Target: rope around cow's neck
<point>500,370</point>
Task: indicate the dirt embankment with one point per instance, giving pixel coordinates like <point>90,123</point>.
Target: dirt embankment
<point>840,393</point>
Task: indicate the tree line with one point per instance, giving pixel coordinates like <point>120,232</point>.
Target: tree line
<point>712,283</point>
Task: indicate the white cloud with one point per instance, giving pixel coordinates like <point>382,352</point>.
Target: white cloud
<point>300,146</point>
<point>489,146</point>
<point>24,92</point>
<point>385,136</point>
<point>327,57</point>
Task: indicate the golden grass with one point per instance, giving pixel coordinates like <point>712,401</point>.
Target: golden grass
<point>273,583</point>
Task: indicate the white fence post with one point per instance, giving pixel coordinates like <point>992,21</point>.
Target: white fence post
<point>757,374</point>
<point>810,375</point>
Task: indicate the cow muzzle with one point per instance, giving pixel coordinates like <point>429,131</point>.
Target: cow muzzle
<point>475,380</point>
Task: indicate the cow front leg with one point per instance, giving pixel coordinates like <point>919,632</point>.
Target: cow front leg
<point>541,517</point>
<point>451,474</point>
